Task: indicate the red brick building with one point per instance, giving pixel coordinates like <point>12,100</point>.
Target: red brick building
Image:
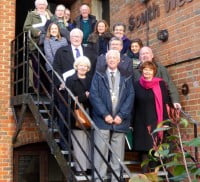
<point>180,53</point>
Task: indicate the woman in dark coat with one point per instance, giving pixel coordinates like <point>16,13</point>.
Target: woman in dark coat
<point>99,39</point>
<point>151,97</point>
<point>79,84</point>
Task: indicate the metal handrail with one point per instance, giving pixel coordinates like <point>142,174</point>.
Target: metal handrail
<point>70,94</point>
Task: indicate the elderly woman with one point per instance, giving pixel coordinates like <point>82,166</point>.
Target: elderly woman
<point>151,97</point>
<point>100,37</point>
<point>79,84</point>
<point>35,22</point>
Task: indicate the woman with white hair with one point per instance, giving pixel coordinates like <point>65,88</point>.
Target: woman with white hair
<point>79,84</point>
<point>36,20</point>
<point>35,23</point>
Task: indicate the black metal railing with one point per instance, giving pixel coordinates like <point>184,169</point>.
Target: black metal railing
<point>30,77</point>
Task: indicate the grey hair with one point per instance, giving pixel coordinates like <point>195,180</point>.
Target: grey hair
<point>113,52</point>
<point>82,60</point>
<point>119,24</point>
<point>117,39</point>
<point>74,30</point>
<point>38,1</point>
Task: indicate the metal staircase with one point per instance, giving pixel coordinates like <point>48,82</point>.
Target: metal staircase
<point>35,98</point>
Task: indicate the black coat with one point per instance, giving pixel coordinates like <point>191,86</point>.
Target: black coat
<point>145,114</point>
<point>64,60</point>
<point>99,42</point>
<point>78,87</point>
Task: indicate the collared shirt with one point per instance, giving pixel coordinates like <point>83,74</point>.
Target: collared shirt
<point>112,71</point>
<point>74,50</point>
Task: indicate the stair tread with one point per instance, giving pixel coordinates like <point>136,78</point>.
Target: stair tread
<point>64,152</point>
<point>125,176</point>
<point>131,162</point>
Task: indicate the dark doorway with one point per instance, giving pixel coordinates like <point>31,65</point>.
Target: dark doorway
<point>106,10</point>
<point>35,163</point>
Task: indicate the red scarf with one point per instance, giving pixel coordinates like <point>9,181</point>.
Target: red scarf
<point>155,86</point>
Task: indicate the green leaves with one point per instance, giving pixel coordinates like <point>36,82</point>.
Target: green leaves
<point>193,143</point>
<point>184,122</point>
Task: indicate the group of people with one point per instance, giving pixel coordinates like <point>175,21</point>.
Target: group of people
<point>116,79</point>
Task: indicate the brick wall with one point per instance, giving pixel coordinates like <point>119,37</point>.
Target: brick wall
<point>7,27</point>
<point>29,132</point>
<point>183,25</point>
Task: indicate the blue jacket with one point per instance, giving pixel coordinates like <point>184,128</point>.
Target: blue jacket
<point>101,101</point>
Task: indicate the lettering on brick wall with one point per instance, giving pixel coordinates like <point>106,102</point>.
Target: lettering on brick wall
<point>172,4</point>
<point>152,12</point>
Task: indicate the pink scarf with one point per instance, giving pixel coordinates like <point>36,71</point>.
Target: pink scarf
<point>155,86</point>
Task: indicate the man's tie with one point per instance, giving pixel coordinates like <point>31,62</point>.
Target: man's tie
<point>112,79</point>
<point>77,53</point>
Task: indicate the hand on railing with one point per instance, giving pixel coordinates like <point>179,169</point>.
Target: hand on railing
<point>62,86</point>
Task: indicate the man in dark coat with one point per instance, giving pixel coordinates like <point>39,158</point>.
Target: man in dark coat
<point>111,97</point>
<point>63,65</point>
<point>146,54</point>
<point>125,64</point>
<point>65,56</point>
<point>85,21</point>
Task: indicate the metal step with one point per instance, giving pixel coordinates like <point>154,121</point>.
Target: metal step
<point>40,102</point>
<point>43,111</point>
<point>83,178</point>
<point>125,176</point>
<point>64,152</point>
<point>131,162</point>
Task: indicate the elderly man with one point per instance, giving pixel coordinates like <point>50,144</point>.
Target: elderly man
<point>119,30</point>
<point>63,65</point>
<point>111,96</point>
<point>65,56</point>
<point>85,21</point>
<point>146,54</point>
<point>125,65</point>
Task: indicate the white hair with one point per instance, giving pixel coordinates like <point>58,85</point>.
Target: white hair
<point>115,53</point>
<point>82,60</point>
<point>76,30</point>
<point>41,1</point>
<point>60,6</point>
